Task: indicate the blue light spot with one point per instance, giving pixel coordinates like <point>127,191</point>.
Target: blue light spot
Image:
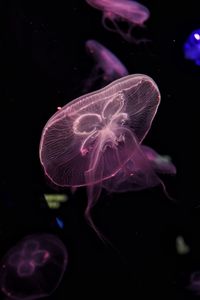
<point>60,223</point>
<point>192,47</point>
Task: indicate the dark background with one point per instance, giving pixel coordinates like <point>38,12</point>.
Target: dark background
<point>44,65</point>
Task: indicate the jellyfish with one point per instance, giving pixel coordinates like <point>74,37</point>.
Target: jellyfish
<point>141,172</point>
<point>34,267</point>
<point>107,66</point>
<point>117,11</point>
<point>192,47</point>
<point>194,284</point>
<point>94,136</point>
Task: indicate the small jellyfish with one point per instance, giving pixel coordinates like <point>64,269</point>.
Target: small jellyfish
<point>117,11</point>
<point>107,66</point>
<point>141,171</point>
<point>34,267</point>
<point>192,47</point>
<point>93,137</point>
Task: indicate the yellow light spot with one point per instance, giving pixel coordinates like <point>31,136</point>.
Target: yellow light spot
<point>54,200</point>
<point>181,247</point>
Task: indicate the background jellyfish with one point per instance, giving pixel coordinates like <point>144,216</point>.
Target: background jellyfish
<point>91,138</point>
<point>107,66</point>
<point>194,285</point>
<point>117,11</point>
<point>192,47</point>
<point>34,267</point>
<point>141,171</point>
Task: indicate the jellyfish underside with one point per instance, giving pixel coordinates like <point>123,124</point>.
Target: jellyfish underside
<point>140,172</point>
<point>130,12</point>
<point>123,27</point>
<point>194,284</point>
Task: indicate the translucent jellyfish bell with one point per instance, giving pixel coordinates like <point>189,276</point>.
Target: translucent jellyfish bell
<point>34,267</point>
<point>107,66</point>
<point>91,138</point>
<point>115,11</point>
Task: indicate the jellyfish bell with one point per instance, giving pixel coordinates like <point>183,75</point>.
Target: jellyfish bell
<point>107,66</point>
<point>131,12</point>
<point>98,128</point>
<point>91,138</point>
<point>30,272</point>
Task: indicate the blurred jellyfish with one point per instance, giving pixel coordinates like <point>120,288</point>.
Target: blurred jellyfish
<point>195,282</point>
<point>115,12</point>
<point>192,47</point>
<point>140,172</point>
<point>93,137</point>
<point>107,66</point>
<point>34,267</point>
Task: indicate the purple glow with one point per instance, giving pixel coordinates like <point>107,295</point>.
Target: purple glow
<point>161,164</point>
<point>93,137</point>
<point>33,268</point>
<point>131,12</point>
<point>107,66</point>
<point>195,282</point>
<point>140,172</point>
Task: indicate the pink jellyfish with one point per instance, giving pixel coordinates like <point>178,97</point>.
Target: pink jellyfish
<point>116,11</point>
<point>93,137</point>
<point>34,267</point>
<point>107,66</point>
<point>141,171</point>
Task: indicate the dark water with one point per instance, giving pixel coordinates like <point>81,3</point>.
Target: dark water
<point>44,65</point>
